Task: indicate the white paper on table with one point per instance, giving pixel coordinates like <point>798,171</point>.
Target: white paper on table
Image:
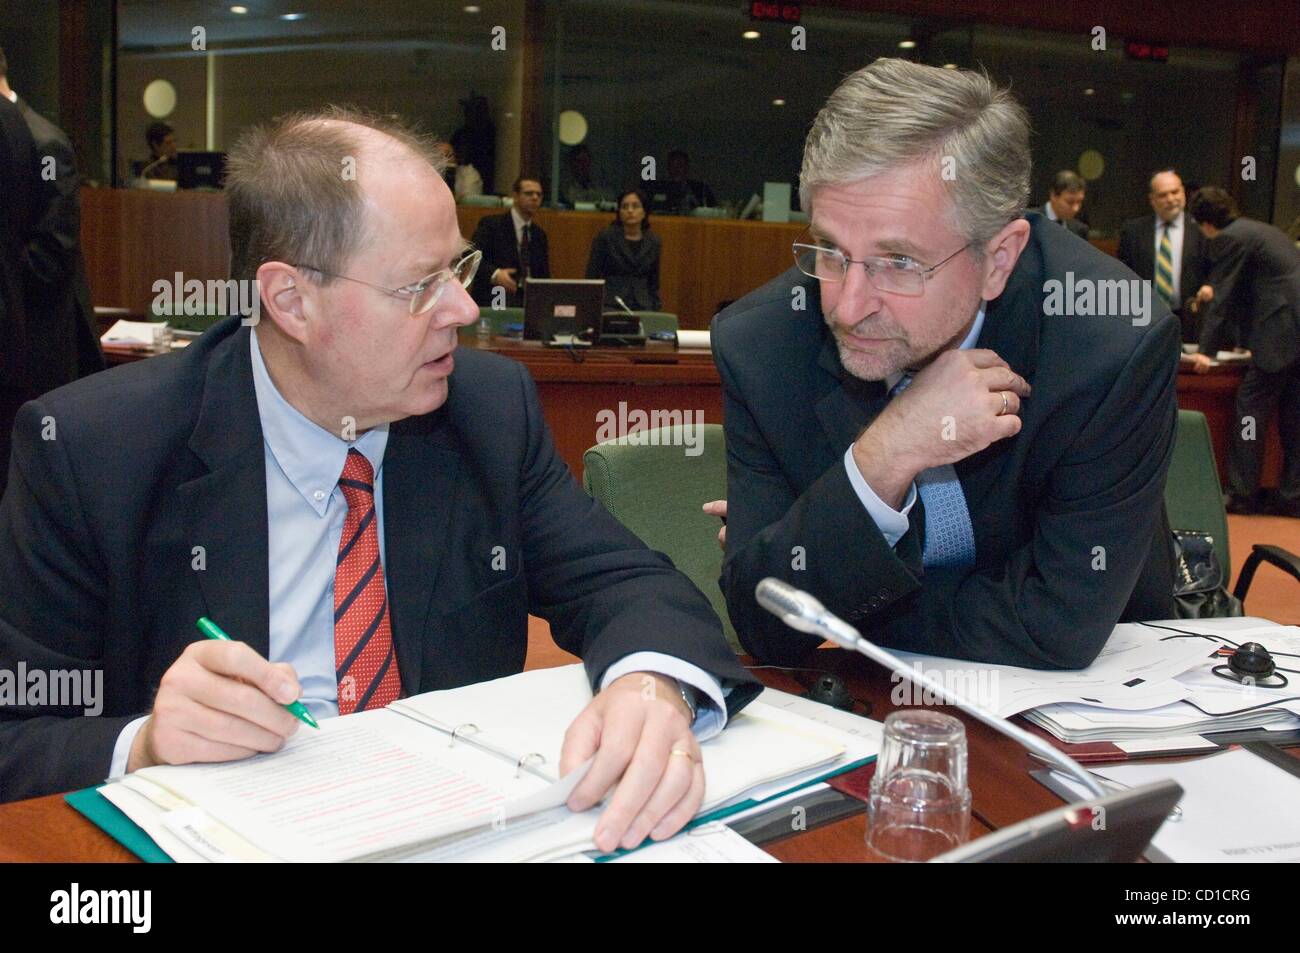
<point>361,786</point>
<point>708,844</point>
<point>1134,670</point>
<point>530,712</point>
<point>1236,807</point>
<point>687,338</point>
<point>144,333</point>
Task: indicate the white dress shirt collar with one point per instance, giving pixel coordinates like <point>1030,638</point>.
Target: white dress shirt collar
<point>312,458</point>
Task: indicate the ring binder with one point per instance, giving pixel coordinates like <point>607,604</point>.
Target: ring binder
<point>532,757</point>
<point>455,733</point>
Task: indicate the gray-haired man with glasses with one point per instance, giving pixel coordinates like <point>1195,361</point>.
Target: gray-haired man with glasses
<point>368,512</point>
<point>920,431</point>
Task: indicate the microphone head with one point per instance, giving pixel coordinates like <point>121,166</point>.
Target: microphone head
<point>792,606</point>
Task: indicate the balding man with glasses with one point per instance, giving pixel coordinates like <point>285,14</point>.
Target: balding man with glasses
<point>928,426</point>
<point>368,512</point>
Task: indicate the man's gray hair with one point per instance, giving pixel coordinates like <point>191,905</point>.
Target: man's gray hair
<point>895,112</point>
<point>293,192</point>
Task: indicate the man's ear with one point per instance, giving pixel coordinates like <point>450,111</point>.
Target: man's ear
<point>285,296</point>
<point>1000,256</point>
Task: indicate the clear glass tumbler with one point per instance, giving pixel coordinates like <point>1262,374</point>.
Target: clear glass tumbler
<point>919,805</point>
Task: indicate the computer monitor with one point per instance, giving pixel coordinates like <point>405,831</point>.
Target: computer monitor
<point>566,306</point>
<point>200,170</point>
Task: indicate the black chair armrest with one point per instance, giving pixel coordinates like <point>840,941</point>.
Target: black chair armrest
<point>1283,559</point>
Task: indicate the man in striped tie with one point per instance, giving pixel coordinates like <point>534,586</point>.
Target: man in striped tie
<point>369,512</point>
<point>913,436</point>
<point>1166,250</point>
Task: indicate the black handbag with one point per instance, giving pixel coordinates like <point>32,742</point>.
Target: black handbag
<point>1200,583</point>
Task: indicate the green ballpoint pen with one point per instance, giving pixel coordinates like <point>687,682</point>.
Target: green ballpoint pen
<point>214,631</point>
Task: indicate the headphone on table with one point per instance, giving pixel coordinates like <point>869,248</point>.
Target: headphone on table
<point>1251,663</point>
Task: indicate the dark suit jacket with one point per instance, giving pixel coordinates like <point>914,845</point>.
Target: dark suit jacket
<point>630,271</point>
<point>1137,249</point>
<point>61,339</point>
<point>1073,224</point>
<point>1255,273</point>
<point>495,234</point>
<point>1086,471</point>
<point>98,529</point>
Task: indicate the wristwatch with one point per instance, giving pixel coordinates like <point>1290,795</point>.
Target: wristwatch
<point>689,695</point>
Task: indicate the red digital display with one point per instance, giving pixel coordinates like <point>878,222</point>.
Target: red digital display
<point>774,12</point>
<point>1142,50</point>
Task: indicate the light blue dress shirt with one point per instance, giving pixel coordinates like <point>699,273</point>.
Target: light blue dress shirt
<point>305,512</point>
<point>893,523</point>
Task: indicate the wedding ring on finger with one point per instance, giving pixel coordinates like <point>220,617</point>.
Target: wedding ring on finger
<point>1005,403</point>
<point>683,752</point>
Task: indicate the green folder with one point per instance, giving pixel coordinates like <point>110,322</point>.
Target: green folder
<point>97,809</point>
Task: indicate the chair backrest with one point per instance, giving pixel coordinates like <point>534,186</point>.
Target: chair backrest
<point>654,483</point>
<point>653,321</point>
<point>1193,495</point>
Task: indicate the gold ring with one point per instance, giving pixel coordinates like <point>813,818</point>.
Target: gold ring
<point>1005,403</point>
<point>683,752</point>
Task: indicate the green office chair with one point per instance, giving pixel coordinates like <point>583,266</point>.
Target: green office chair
<point>1194,501</point>
<point>656,490</point>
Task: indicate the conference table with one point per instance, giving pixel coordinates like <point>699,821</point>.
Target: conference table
<point>47,829</point>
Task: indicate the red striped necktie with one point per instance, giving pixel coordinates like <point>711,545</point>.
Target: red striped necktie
<point>364,662</point>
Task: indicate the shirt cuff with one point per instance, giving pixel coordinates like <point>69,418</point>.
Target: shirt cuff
<point>122,750</point>
<point>711,712</point>
<point>892,523</point>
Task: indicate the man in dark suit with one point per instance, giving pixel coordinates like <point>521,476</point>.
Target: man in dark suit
<point>58,343</point>
<point>1254,277</point>
<point>931,435</point>
<point>514,249</point>
<point>1065,201</point>
<point>257,474</point>
<point>1175,246</point>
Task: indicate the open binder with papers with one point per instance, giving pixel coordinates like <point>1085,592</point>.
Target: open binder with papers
<point>466,774</point>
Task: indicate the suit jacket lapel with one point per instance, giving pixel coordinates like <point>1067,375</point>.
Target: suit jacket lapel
<point>1011,330</point>
<point>845,405</point>
<point>420,469</point>
<point>226,507</point>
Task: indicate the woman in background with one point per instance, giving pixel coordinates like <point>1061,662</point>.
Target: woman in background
<point>626,255</point>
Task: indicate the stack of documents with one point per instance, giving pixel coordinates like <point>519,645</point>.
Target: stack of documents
<point>467,774</point>
<point>1148,683</point>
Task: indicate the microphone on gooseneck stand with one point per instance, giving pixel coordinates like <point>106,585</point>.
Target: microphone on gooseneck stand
<point>803,612</point>
<point>622,304</point>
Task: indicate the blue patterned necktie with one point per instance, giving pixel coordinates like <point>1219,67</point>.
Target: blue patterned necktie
<point>949,536</point>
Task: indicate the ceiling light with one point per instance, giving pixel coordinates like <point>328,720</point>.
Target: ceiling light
<point>907,44</point>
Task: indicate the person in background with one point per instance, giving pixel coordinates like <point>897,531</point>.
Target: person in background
<point>161,163</point>
<point>514,247</point>
<point>580,184</point>
<point>50,340</point>
<point>1164,249</point>
<point>685,193</point>
<point>626,255</point>
<point>1065,201</point>
<point>1254,281</point>
<point>461,177</point>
